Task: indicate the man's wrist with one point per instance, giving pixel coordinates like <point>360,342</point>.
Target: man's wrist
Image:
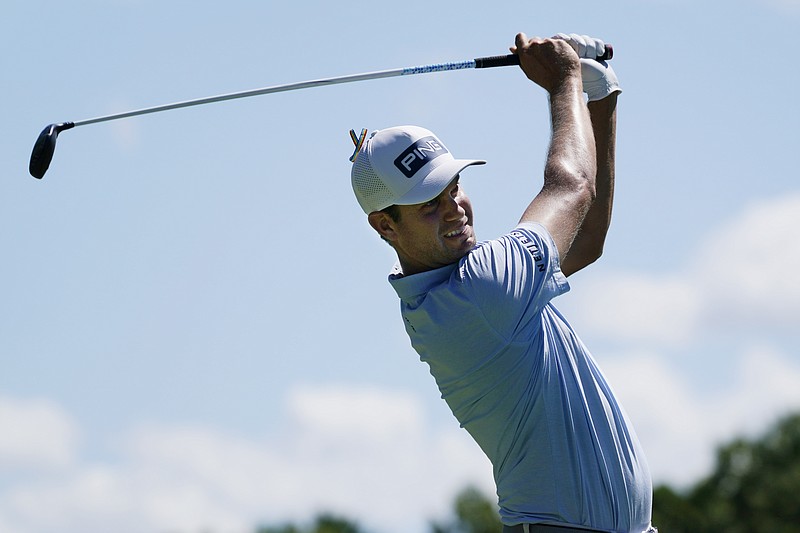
<point>568,86</point>
<point>606,105</point>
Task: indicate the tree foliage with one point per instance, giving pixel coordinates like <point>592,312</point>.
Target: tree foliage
<point>324,523</point>
<point>473,513</point>
<point>754,488</point>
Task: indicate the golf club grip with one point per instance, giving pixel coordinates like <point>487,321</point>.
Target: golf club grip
<point>513,59</point>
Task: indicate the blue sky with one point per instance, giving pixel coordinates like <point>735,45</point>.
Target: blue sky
<point>196,332</point>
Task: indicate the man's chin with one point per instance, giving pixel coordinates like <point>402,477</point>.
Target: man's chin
<point>465,244</point>
<point>469,239</point>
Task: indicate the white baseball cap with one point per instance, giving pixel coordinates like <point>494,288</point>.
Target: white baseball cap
<point>403,165</point>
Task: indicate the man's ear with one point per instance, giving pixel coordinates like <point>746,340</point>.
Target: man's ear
<point>383,224</point>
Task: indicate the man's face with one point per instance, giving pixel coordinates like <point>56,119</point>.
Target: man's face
<point>433,234</point>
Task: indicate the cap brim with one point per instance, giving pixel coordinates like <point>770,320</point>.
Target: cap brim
<point>436,181</point>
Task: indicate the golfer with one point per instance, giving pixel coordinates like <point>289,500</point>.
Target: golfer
<point>512,370</point>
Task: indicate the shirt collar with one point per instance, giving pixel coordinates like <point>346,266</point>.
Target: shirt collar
<point>409,287</point>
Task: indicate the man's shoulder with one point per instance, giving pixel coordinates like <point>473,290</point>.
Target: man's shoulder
<point>528,236</point>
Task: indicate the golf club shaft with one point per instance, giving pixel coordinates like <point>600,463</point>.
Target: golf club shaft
<point>481,62</point>
<point>440,67</point>
<point>256,92</point>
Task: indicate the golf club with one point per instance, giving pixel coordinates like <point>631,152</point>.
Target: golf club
<point>45,145</point>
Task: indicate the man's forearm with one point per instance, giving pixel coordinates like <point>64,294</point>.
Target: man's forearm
<point>572,149</point>
<point>588,244</point>
<point>604,125</point>
<point>570,170</point>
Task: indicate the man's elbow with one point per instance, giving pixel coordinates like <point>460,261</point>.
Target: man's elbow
<point>591,253</point>
<point>586,250</point>
<point>593,243</point>
<point>569,176</point>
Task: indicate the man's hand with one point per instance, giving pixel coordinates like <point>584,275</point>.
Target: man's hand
<point>547,62</point>
<point>599,79</point>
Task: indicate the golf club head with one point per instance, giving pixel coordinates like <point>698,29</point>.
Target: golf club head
<point>44,148</point>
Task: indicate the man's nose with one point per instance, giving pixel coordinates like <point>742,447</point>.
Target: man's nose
<point>453,209</point>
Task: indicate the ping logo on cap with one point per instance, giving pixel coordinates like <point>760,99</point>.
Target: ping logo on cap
<point>418,155</point>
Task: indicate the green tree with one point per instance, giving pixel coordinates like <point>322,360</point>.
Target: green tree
<point>754,488</point>
<point>473,513</point>
<point>324,523</point>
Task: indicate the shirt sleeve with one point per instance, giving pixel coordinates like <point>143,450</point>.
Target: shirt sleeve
<point>513,277</point>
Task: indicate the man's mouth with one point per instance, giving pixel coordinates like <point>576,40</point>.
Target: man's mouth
<point>456,233</point>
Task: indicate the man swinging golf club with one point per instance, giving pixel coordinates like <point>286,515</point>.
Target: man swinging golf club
<point>508,364</point>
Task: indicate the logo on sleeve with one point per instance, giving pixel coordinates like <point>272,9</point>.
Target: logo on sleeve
<point>418,155</point>
<point>532,247</point>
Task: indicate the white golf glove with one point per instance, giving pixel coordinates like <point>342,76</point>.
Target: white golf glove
<point>599,79</point>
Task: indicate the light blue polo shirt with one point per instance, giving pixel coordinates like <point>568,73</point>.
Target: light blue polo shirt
<point>521,382</point>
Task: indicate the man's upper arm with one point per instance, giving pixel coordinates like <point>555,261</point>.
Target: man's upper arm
<point>561,211</point>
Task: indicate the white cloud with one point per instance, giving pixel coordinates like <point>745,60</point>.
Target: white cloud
<point>364,413</point>
<point>35,433</point>
<point>639,308</point>
<point>749,269</point>
<point>766,385</point>
<point>744,277</point>
<point>87,498</point>
<point>376,442</point>
<point>365,453</point>
<point>680,426</point>
<point>190,478</point>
